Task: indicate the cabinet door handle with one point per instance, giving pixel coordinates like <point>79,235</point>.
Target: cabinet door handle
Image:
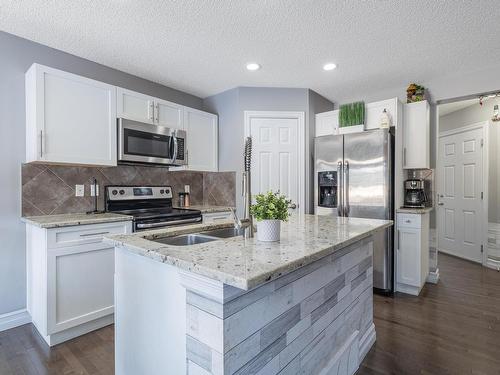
<point>399,239</point>
<point>93,234</point>
<point>151,110</point>
<point>41,143</point>
<point>404,157</point>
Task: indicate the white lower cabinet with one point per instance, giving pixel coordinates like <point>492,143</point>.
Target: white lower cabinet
<point>413,252</point>
<point>71,279</point>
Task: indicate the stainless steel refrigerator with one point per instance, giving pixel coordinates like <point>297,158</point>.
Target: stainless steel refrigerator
<point>354,176</point>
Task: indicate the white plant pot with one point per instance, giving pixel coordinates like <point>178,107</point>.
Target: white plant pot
<point>352,129</point>
<point>268,230</point>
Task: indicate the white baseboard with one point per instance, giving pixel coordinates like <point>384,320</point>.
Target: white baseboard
<point>82,329</point>
<point>433,277</point>
<point>408,289</point>
<point>14,319</point>
<point>493,264</point>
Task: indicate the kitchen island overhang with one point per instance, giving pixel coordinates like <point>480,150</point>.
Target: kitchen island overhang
<point>304,304</point>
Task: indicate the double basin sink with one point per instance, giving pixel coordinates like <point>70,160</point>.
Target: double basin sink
<point>202,237</point>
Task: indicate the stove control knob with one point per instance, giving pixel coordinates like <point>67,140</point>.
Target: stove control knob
<point>114,192</point>
<point>162,191</point>
<point>167,190</point>
<point>122,192</point>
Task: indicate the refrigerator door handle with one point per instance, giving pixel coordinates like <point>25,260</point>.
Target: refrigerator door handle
<point>340,187</point>
<point>345,181</point>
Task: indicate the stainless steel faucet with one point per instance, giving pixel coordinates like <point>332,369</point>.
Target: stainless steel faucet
<point>241,223</point>
<point>246,191</point>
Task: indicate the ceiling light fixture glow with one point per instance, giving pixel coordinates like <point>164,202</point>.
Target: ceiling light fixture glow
<point>329,66</point>
<point>253,66</point>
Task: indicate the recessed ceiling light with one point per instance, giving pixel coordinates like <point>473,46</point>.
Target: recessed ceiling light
<point>329,66</point>
<point>253,66</point>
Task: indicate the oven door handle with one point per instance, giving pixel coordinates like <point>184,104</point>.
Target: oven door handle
<point>168,223</point>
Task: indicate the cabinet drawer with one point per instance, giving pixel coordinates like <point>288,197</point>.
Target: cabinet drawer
<point>84,234</point>
<point>217,216</point>
<point>408,221</point>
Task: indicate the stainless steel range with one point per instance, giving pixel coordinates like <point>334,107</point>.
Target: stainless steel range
<point>151,206</point>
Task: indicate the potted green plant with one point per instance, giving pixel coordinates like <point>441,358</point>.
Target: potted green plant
<point>269,210</point>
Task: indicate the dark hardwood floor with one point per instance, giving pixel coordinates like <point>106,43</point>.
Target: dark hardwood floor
<point>451,328</point>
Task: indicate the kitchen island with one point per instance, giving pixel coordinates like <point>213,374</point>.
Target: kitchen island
<point>240,306</point>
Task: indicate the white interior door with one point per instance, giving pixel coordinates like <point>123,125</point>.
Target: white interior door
<point>460,187</point>
<point>278,158</point>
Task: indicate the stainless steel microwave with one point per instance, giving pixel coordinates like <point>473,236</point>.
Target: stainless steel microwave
<point>143,143</point>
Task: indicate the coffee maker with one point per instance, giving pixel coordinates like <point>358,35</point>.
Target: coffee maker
<point>414,193</point>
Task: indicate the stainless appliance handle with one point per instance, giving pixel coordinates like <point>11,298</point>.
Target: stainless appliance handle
<point>346,188</point>
<point>340,187</point>
<point>176,146</point>
<point>404,157</point>
<point>157,113</point>
<point>168,223</point>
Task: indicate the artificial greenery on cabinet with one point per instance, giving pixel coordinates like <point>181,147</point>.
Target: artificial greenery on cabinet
<point>352,114</point>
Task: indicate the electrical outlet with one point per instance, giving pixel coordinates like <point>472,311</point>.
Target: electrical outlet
<point>79,190</point>
<point>92,192</point>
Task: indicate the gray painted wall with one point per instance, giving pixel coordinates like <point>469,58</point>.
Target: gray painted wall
<point>230,106</point>
<point>470,115</point>
<point>17,56</point>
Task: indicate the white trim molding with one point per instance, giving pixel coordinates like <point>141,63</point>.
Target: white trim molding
<point>14,319</point>
<point>493,247</point>
<point>301,152</point>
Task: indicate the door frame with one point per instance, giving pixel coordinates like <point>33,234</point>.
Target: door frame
<point>301,139</point>
<point>485,150</point>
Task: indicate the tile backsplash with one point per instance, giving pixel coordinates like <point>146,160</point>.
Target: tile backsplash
<point>50,189</point>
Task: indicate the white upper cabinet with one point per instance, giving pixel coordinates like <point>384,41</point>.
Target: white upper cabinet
<point>202,140</point>
<point>168,114</point>
<point>134,106</point>
<point>139,107</point>
<point>373,112</point>
<point>327,123</point>
<point>416,136</point>
<point>69,119</point>
<point>72,119</point>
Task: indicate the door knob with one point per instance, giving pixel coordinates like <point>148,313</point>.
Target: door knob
<point>293,206</point>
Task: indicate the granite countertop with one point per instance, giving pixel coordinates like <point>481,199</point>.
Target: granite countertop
<point>207,209</point>
<point>248,263</point>
<point>414,210</point>
<point>67,220</point>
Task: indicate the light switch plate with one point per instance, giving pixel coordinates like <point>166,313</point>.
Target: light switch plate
<point>92,192</point>
<point>79,190</point>
<point>187,188</point>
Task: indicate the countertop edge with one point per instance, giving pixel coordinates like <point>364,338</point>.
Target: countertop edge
<point>71,223</point>
<point>414,211</point>
<point>235,281</point>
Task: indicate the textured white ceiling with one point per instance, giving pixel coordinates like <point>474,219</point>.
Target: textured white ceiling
<point>201,46</point>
